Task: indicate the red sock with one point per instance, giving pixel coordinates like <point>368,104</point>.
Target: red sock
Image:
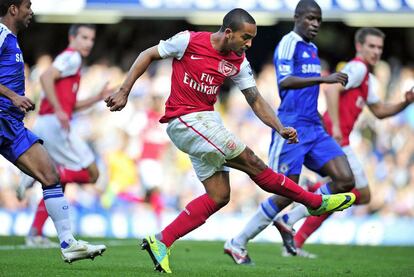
<point>39,220</point>
<point>357,195</point>
<point>277,183</point>
<point>311,224</point>
<point>194,215</point>
<point>314,187</point>
<point>74,176</point>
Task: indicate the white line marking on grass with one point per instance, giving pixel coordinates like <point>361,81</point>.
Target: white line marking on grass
<point>112,243</point>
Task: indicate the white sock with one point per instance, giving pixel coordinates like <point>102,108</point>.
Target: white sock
<point>300,211</point>
<point>324,189</point>
<point>294,215</point>
<point>58,210</point>
<point>260,220</point>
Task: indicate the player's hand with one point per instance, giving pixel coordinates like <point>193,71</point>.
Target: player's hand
<point>337,134</point>
<point>116,101</point>
<point>337,77</point>
<point>63,119</point>
<point>106,91</point>
<point>23,103</point>
<point>290,134</point>
<point>409,96</point>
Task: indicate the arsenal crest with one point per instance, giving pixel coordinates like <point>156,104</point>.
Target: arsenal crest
<point>227,68</point>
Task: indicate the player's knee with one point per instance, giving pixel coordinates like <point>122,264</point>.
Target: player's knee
<point>94,177</point>
<point>93,174</point>
<point>365,197</point>
<point>221,199</point>
<point>253,161</point>
<point>50,178</point>
<point>345,182</point>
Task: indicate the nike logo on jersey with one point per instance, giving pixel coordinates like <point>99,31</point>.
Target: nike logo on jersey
<point>195,57</point>
<point>305,55</point>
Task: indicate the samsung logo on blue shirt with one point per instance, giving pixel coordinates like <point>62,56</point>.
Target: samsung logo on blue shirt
<point>311,68</point>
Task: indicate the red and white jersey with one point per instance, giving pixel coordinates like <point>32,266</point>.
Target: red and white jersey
<point>198,72</point>
<point>360,90</point>
<point>69,64</point>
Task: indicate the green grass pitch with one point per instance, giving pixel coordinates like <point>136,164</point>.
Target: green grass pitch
<point>195,258</point>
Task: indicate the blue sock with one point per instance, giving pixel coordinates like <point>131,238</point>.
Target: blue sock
<point>269,208</point>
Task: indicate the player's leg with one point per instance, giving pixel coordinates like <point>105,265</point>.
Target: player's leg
<point>25,182</point>
<point>326,157</point>
<point>201,136</point>
<point>86,175</point>
<point>75,159</point>
<point>66,150</point>
<point>361,191</point>
<point>35,236</point>
<point>263,217</point>
<point>193,216</point>
<point>286,158</point>
<point>36,162</point>
<point>363,195</point>
<point>277,183</point>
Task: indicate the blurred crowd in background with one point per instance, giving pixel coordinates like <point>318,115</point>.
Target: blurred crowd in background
<point>141,168</point>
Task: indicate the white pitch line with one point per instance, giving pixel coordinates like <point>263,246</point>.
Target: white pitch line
<point>111,243</point>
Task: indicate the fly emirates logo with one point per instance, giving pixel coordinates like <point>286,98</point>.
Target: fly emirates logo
<point>206,86</point>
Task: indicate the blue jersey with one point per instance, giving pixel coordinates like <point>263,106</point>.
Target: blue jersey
<point>11,70</point>
<point>15,139</point>
<point>296,57</point>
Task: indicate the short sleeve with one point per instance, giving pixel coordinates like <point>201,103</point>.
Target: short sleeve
<point>68,63</point>
<point>244,79</point>
<point>373,86</point>
<point>3,38</point>
<point>1,48</point>
<point>175,46</point>
<point>284,58</point>
<point>356,72</point>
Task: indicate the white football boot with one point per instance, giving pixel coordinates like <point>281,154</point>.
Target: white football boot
<point>80,250</point>
<point>238,254</point>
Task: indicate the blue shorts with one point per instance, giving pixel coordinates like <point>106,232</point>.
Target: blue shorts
<point>314,150</point>
<point>15,139</point>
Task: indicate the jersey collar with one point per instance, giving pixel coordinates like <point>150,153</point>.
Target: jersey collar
<point>8,30</point>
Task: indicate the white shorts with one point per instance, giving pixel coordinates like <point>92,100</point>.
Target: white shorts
<point>204,138</point>
<point>66,149</point>
<point>356,167</point>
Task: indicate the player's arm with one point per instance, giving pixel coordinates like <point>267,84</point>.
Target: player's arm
<point>174,47</point>
<point>266,114</point>
<point>88,102</point>
<point>383,110</point>
<point>332,102</point>
<point>140,65</point>
<point>47,80</point>
<point>285,62</point>
<point>118,100</point>
<point>21,102</point>
<point>295,82</point>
